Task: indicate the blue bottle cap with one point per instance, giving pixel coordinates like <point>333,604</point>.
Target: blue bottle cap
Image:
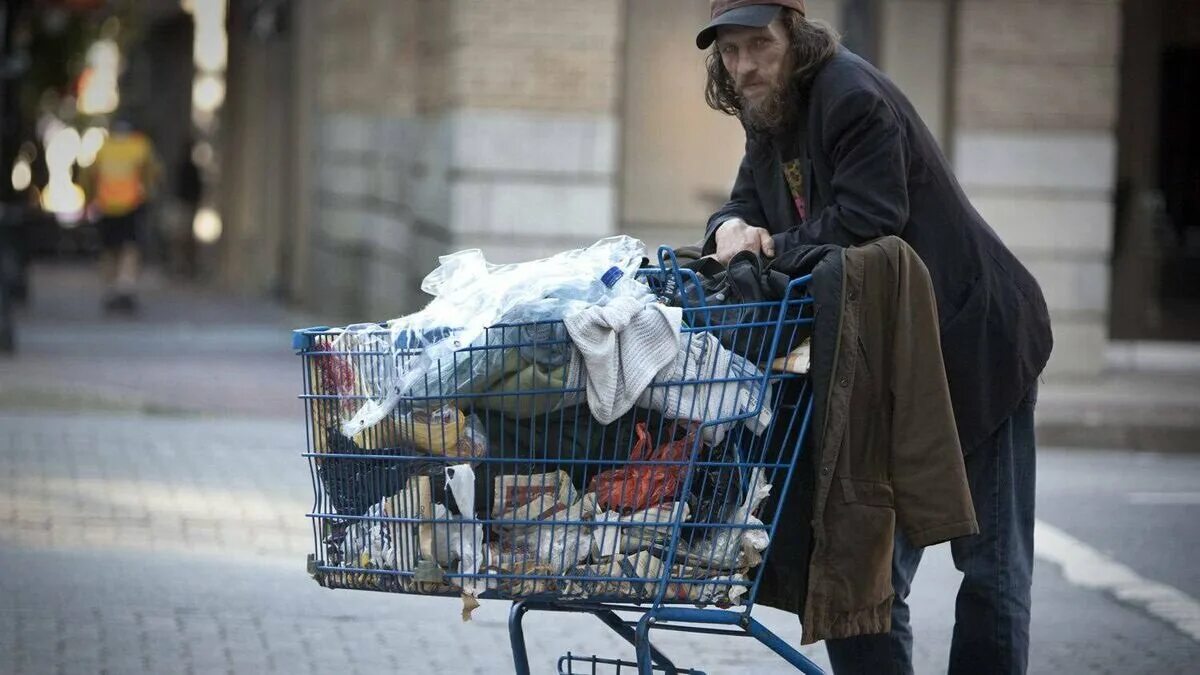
<point>611,276</point>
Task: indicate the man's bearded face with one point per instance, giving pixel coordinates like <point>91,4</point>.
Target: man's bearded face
<point>758,60</point>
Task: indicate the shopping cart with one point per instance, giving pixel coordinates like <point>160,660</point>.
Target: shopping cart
<point>491,479</point>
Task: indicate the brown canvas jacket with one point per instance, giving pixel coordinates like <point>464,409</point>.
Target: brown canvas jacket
<point>889,452</point>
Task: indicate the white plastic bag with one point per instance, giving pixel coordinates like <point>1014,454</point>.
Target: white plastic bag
<point>461,542</point>
<point>471,294</point>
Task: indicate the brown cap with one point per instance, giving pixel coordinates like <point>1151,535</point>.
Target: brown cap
<point>752,13</point>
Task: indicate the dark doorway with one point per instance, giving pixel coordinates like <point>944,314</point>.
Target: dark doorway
<point>1179,169</point>
<point>1156,252</point>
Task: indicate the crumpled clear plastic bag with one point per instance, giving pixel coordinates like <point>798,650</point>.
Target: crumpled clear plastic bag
<point>615,533</point>
<point>553,547</point>
<point>471,294</point>
<point>733,548</point>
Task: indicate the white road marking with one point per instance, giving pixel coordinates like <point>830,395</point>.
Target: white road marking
<point>1164,498</point>
<point>1084,566</point>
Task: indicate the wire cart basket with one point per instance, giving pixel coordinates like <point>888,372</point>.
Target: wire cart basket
<point>490,478</point>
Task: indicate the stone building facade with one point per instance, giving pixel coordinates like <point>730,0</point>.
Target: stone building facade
<point>435,125</point>
<point>375,135</point>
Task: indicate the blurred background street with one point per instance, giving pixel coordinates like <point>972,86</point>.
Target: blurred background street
<point>308,161</point>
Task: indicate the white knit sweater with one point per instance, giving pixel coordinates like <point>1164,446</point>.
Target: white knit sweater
<point>631,353</point>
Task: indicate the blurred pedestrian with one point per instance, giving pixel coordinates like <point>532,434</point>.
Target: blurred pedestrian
<point>835,154</point>
<point>121,180</point>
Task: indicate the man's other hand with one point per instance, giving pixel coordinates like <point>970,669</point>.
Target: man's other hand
<point>736,235</point>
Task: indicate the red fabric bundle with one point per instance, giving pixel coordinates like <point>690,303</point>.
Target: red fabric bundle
<point>336,376</point>
<point>640,486</point>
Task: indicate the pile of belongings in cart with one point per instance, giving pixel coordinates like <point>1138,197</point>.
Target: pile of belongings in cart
<point>529,432</point>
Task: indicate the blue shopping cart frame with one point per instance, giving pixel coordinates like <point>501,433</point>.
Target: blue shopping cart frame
<point>725,622</point>
<point>655,611</point>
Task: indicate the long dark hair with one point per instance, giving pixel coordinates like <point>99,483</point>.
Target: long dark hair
<point>812,43</point>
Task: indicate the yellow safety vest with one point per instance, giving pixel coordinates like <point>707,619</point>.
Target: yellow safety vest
<point>121,166</point>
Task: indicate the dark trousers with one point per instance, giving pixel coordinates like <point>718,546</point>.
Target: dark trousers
<point>116,231</point>
<point>991,619</point>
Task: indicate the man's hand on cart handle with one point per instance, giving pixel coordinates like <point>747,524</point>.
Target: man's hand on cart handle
<point>736,235</point>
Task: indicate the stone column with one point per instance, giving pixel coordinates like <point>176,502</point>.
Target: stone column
<point>1035,147</point>
<point>450,124</point>
<point>528,125</point>
<point>915,52</point>
<point>365,75</point>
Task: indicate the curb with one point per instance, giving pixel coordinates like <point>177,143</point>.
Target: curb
<point>1144,438</point>
<point>24,400</point>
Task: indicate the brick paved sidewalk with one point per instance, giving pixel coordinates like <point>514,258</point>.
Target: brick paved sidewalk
<point>134,544</point>
<point>162,545</point>
<point>189,350</point>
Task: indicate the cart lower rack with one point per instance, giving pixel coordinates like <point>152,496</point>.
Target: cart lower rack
<point>492,478</point>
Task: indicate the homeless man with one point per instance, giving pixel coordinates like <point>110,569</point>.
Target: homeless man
<point>835,154</point>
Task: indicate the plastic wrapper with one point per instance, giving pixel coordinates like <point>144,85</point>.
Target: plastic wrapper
<point>551,546</point>
<point>547,549</point>
<point>721,590</point>
<point>540,336</point>
<point>536,497</point>
<point>643,569</point>
<point>337,383</point>
<point>335,375</point>
<point>445,431</point>
<point>471,294</point>
<point>614,533</point>
<point>733,548</point>
<point>390,545</point>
